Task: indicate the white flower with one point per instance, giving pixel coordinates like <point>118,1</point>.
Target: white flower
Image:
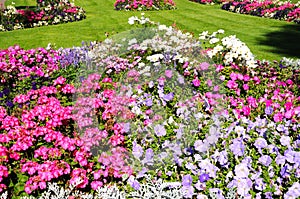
<point>221,31</point>
<point>155,58</point>
<point>214,40</point>
<point>132,19</point>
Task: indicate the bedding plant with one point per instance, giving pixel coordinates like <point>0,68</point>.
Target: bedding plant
<point>153,112</point>
<point>44,14</point>
<point>281,10</point>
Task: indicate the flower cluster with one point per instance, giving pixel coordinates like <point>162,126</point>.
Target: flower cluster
<point>270,9</point>
<point>227,50</point>
<point>144,5</point>
<point>60,12</point>
<point>154,101</point>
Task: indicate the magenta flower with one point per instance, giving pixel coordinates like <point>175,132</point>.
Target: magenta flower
<point>196,82</point>
<point>278,117</point>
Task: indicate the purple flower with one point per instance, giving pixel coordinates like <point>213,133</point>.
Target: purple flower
<point>9,104</point>
<point>237,147</point>
<point>149,155</point>
<point>280,159</point>
<point>137,150</point>
<point>243,187</point>
<point>268,195</point>
<point>284,172</point>
<point>168,97</point>
<point>223,159</point>
<point>148,102</point>
<point>265,160</point>
<point>269,110</point>
<point>142,172</point>
<point>160,130</point>
<point>259,184</point>
<point>126,127</point>
<point>241,170</point>
<point>289,155</point>
<point>203,177</point>
<point>285,140</point>
<point>260,143</point>
<point>293,191</point>
<point>201,146</point>
<point>187,180</point>
<point>188,191</point>
<point>134,183</point>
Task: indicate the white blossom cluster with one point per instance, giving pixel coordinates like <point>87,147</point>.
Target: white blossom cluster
<point>230,48</point>
<point>295,63</point>
<point>143,20</point>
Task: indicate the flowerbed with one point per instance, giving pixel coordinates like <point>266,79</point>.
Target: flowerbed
<point>144,5</point>
<point>117,120</point>
<point>270,9</point>
<point>44,14</point>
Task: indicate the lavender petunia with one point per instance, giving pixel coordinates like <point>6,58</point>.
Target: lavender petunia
<point>237,147</point>
<point>265,160</point>
<point>168,97</point>
<point>137,150</point>
<point>203,177</point>
<point>187,180</point>
<point>160,130</point>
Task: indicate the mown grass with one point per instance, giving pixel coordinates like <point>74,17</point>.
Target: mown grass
<point>256,32</point>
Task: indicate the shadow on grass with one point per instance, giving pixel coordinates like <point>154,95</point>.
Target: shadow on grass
<point>285,41</point>
<point>25,7</point>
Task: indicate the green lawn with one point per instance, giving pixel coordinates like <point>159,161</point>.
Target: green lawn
<point>267,38</point>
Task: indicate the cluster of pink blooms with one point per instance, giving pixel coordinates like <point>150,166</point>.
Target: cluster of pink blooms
<point>24,63</point>
<point>41,129</point>
<point>276,10</point>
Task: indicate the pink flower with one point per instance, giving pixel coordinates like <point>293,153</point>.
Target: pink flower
<point>232,84</point>
<point>278,117</point>
<point>233,76</point>
<point>288,105</point>
<point>196,82</point>
<point>246,78</point>
<point>246,110</point>
<point>256,79</point>
<point>204,65</point>
<point>68,89</point>
<point>245,87</point>
<point>96,184</point>
<point>289,114</point>
<point>168,73</point>
<point>59,81</point>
